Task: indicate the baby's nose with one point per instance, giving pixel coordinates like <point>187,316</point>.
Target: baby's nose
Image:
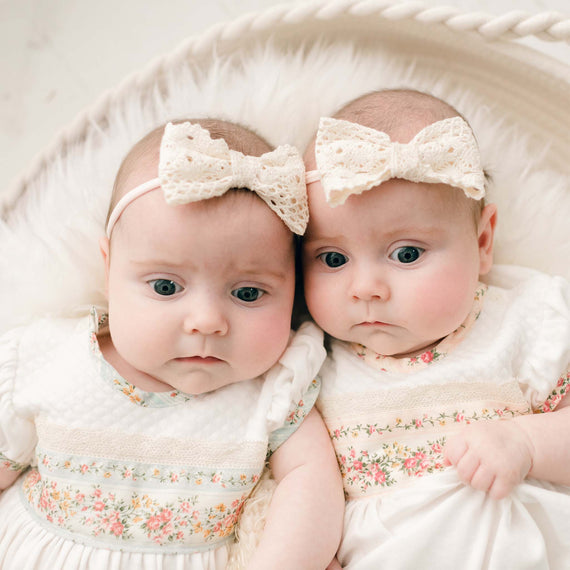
<point>205,316</point>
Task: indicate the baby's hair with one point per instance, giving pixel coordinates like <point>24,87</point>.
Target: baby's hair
<point>400,113</point>
<point>147,149</point>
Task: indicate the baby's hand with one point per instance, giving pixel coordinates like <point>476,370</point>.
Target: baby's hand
<point>491,456</point>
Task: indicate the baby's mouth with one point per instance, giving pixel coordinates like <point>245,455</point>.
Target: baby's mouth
<point>199,359</point>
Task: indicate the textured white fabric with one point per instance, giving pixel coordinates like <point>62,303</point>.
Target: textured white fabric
<point>352,158</point>
<point>103,448</point>
<point>388,428</point>
<point>195,167</point>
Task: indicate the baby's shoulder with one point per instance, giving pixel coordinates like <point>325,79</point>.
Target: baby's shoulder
<point>533,315</point>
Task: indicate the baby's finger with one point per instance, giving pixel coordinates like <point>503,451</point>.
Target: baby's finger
<point>467,466</point>
<point>454,450</point>
<point>500,489</point>
<point>504,484</point>
<point>482,479</point>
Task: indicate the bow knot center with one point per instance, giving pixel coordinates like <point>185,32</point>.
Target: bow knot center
<point>403,156</point>
<point>243,171</point>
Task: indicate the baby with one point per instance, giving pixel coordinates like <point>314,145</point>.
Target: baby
<point>146,428</point>
<point>398,238</point>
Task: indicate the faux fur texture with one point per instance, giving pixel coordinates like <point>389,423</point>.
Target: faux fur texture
<point>49,255</point>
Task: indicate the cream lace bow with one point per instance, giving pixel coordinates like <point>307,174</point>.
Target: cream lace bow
<point>352,158</point>
<point>194,167</point>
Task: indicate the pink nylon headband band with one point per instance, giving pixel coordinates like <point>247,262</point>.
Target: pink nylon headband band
<point>128,198</point>
<point>312,176</point>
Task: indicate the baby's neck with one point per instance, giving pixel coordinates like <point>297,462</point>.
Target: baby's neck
<point>411,354</point>
<point>417,351</point>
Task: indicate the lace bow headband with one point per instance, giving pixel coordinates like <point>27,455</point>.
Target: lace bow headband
<point>352,158</point>
<point>195,167</point>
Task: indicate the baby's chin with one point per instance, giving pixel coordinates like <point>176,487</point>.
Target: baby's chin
<point>397,350</point>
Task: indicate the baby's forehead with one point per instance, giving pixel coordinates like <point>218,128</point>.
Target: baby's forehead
<point>138,172</point>
<point>237,226</point>
<point>237,210</point>
<point>395,203</point>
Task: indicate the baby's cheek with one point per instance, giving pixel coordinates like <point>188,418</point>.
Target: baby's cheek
<point>135,347</point>
<point>272,337</point>
<point>325,301</point>
<point>445,307</point>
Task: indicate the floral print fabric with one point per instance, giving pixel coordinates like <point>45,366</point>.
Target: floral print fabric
<point>117,515</point>
<point>401,445</point>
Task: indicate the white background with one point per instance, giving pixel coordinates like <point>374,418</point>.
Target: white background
<point>58,56</point>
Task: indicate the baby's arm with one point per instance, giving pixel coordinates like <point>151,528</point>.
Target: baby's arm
<point>7,476</point>
<point>495,456</point>
<point>304,521</point>
<point>17,434</point>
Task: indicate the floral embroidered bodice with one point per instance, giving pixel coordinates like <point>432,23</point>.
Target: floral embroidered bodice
<point>116,467</point>
<point>389,418</point>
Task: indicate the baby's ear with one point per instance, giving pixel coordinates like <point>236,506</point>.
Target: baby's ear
<point>104,248</point>
<point>486,235</point>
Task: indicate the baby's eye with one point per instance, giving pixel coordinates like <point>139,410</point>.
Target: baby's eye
<point>248,294</point>
<point>333,259</point>
<point>407,254</point>
<point>165,287</point>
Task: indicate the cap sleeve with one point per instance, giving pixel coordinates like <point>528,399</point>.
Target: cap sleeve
<point>17,434</point>
<point>545,372</point>
<point>294,384</point>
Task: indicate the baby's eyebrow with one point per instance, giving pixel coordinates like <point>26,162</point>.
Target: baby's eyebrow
<point>261,272</point>
<point>151,262</point>
<point>248,271</point>
<point>421,229</point>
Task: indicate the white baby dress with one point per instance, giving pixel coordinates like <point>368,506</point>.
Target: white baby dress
<point>125,479</point>
<point>389,419</point>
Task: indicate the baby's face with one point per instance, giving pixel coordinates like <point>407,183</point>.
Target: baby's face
<point>200,295</point>
<point>394,268</point>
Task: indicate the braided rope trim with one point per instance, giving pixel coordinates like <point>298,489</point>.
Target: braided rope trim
<point>548,26</point>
